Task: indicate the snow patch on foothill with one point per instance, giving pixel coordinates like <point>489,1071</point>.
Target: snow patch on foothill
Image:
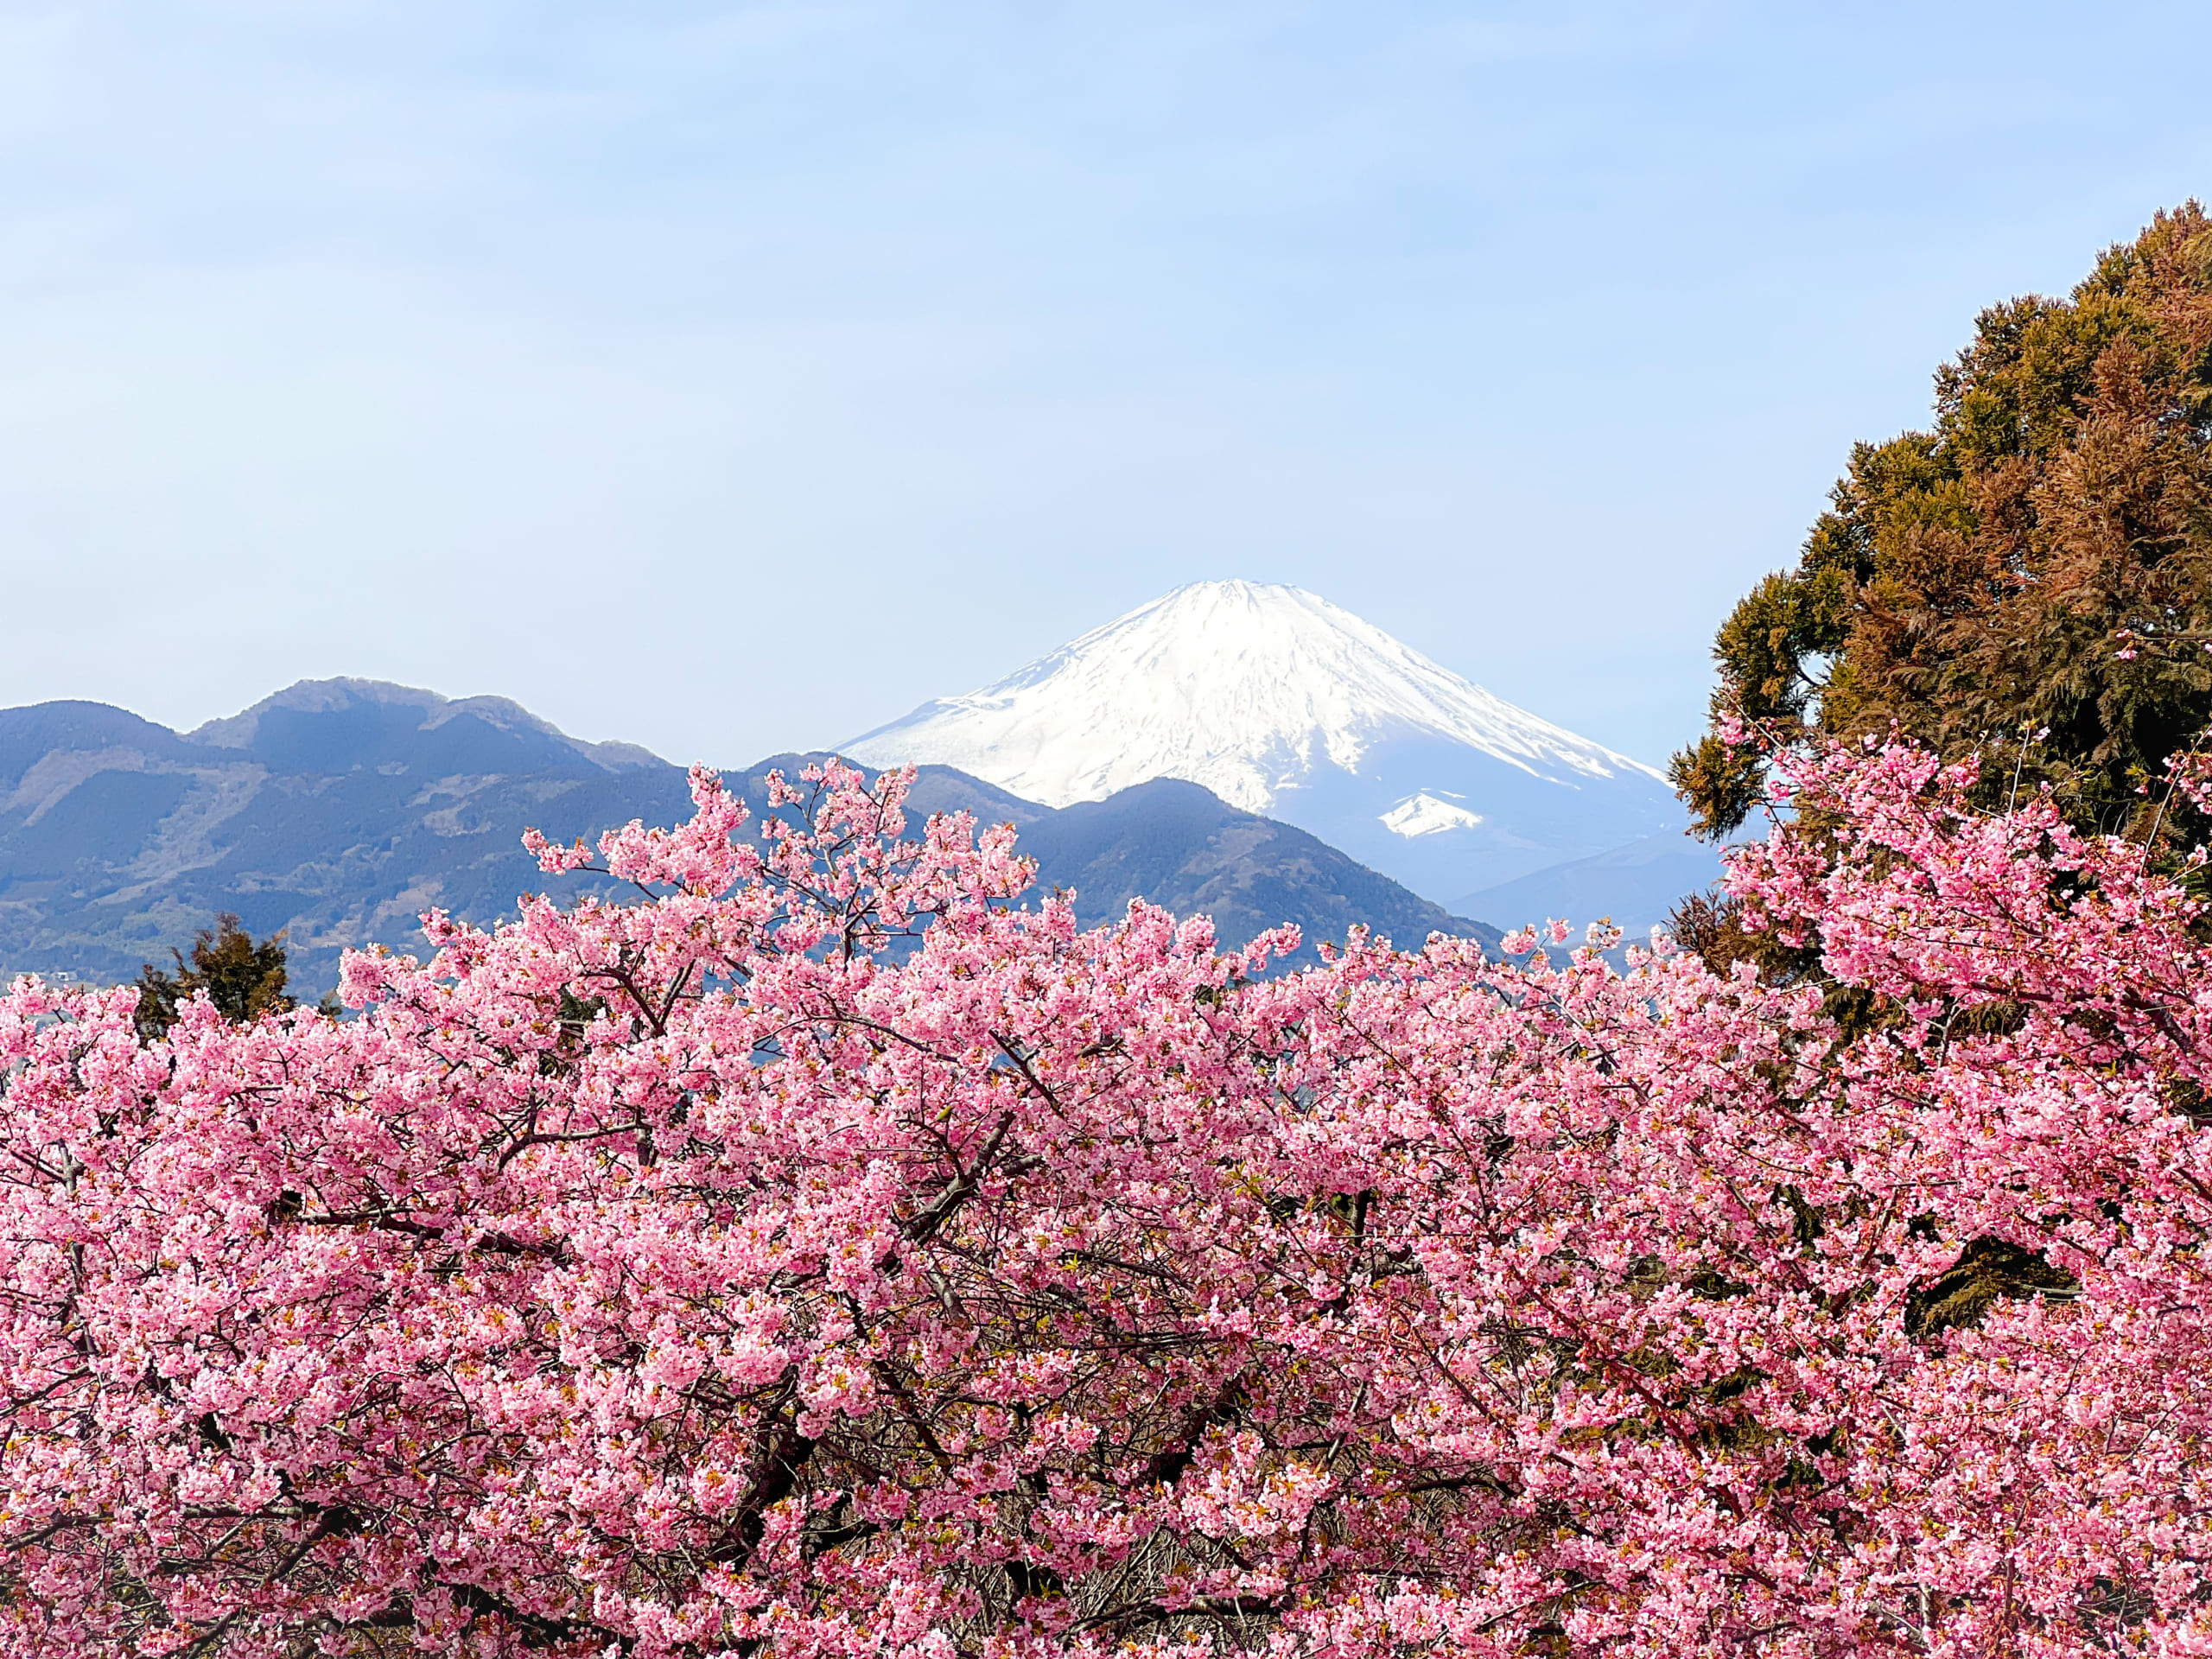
<point>1425,815</point>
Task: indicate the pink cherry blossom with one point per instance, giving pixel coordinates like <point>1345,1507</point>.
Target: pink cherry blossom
<point>830,1256</point>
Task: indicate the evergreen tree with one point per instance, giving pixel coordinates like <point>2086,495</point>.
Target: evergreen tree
<point>244,979</point>
<point>2032,579</point>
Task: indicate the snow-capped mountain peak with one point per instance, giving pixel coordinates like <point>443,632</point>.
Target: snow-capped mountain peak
<point>1241,686</point>
<point>1284,704</point>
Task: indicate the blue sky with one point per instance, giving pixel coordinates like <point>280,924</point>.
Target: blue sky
<point>730,379</point>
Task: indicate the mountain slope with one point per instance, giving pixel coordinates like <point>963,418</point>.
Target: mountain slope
<point>339,811</point>
<point>1635,885</point>
<point>1183,847</point>
<point>1282,703</point>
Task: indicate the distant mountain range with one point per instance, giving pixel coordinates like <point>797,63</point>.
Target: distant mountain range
<point>1249,752</point>
<point>338,811</point>
<point>1282,703</point>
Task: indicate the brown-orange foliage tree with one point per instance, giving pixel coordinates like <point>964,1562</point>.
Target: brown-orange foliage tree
<point>2032,579</point>
<point>243,979</point>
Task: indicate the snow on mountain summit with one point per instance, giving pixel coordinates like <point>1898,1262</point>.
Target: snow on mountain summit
<point>1243,687</point>
<point>1284,704</point>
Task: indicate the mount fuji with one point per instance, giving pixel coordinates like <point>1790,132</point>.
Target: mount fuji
<point>1285,705</point>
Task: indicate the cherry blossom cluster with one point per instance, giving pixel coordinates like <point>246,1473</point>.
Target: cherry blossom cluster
<point>831,1254</point>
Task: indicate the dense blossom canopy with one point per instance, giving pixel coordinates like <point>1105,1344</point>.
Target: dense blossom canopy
<point>728,1273</point>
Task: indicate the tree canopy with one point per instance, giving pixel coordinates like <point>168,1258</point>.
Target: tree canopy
<point>241,978</point>
<point>700,1277</point>
<point>2031,579</point>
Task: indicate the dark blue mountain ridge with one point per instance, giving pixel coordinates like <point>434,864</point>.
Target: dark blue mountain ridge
<point>338,811</point>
